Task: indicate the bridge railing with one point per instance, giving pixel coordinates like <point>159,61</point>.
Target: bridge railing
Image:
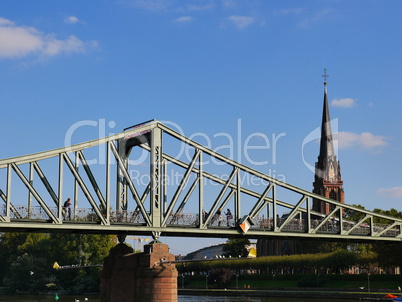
<point>38,213</point>
<point>329,227</point>
<point>192,220</point>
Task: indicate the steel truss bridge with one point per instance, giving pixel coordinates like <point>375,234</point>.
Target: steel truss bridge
<point>152,180</point>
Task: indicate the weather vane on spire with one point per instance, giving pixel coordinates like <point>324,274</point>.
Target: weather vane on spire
<point>325,75</point>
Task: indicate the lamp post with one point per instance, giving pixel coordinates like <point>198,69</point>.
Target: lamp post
<point>182,280</point>
<point>206,281</point>
<point>368,281</point>
<point>237,281</point>
<point>273,281</point>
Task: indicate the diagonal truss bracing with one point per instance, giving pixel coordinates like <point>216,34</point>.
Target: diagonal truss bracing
<point>152,180</point>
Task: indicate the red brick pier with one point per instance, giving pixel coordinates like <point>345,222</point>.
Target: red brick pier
<point>140,277</point>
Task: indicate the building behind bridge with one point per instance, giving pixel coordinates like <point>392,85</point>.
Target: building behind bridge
<point>211,252</point>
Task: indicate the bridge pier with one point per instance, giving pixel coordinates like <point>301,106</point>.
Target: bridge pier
<point>140,277</point>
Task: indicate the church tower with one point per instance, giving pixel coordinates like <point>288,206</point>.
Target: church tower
<point>328,181</point>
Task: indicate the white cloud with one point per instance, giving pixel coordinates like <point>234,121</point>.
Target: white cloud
<point>364,140</point>
<point>4,21</point>
<point>241,22</point>
<point>71,44</point>
<point>18,41</point>
<point>71,20</point>
<point>344,103</point>
<point>184,19</point>
<point>21,41</point>
<point>394,192</point>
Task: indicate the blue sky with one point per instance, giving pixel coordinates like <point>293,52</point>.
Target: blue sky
<point>213,67</point>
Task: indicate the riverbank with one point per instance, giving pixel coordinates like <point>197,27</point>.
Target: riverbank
<point>294,284</point>
<point>293,293</point>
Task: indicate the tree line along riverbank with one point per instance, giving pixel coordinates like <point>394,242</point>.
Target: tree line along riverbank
<point>334,282</point>
<point>315,271</point>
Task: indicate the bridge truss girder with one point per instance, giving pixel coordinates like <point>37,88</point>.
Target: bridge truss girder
<point>187,206</point>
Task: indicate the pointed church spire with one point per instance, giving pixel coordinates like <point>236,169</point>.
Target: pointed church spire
<point>326,144</point>
<point>328,181</point>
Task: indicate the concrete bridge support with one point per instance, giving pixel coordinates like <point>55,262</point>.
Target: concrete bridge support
<point>140,277</point>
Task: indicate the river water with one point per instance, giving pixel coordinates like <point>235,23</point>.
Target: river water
<point>76,298</point>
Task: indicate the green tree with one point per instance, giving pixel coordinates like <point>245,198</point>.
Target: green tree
<point>28,275</point>
<point>392,212</point>
<point>354,215</point>
<point>27,259</point>
<point>80,249</point>
<point>340,260</point>
<point>388,254</point>
<point>236,247</point>
<point>9,253</point>
<point>220,276</point>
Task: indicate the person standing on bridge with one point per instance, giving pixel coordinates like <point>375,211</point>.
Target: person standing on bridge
<point>67,209</point>
<point>229,217</point>
<point>218,216</point>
